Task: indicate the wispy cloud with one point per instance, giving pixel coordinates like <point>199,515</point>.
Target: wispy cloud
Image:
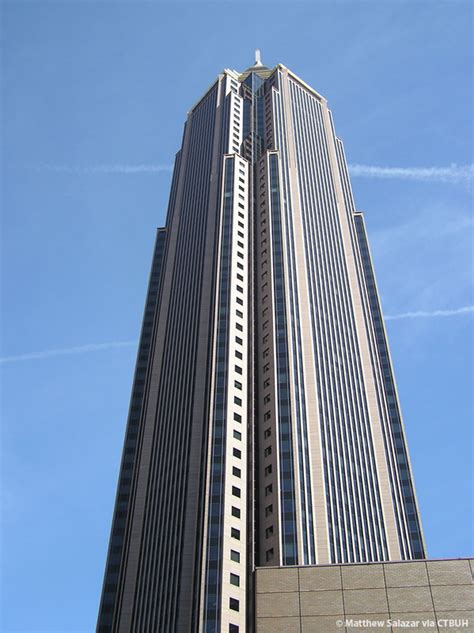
<point>429,315</point>
<point>453,174</point>
<point>81,349</point>
<point>103,169</point>
<point>97,347</point>
<point>456,174</point>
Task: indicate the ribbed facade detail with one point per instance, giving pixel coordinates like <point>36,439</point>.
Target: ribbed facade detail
<point>264,425</point>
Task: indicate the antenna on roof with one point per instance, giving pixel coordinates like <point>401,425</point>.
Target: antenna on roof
<point>258,61</point>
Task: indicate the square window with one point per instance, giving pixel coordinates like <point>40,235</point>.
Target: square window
<point>269,531</point>
<point>234,604</point>
<point>238,385</point>
<point>235,512</point>
<point>268,490</point>
<point>235,533</point>
<point>236,471</point>
<point>235,556</point>
<point>238,370</point>
<point>269,510</point>
<point>236,453</point>
<point>268,470</point>
<point>269,554</point>
<point>267,433</point>
<point>235,580</point>
<point>238,401</point>
<point>236,491</point>
<point>237,435</point>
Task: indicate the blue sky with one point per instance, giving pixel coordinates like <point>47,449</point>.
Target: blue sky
<point>92,90</point>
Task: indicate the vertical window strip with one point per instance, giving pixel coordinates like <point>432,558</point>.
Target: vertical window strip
<point>306,114</point>
<point>215,534</point>
<point>287,494</point>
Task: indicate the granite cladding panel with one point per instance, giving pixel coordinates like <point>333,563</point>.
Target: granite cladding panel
<point>316,599</point>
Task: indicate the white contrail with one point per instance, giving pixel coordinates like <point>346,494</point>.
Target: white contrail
<point>104,169</point>
<point>96,347</point>
<point>453,174</point>
<point>82,349</point>
<point>434,313</point>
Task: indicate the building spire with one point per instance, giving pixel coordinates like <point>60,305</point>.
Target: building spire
<point>258,61</point>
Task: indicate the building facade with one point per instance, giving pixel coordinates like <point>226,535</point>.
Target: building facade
<point>264,425</point>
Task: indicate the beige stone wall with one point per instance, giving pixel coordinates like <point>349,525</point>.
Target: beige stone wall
<point>433,595</point>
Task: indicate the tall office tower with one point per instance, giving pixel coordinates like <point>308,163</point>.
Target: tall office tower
<point>264,426</point>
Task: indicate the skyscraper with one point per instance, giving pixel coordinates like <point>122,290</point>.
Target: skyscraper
<point>264,425</point>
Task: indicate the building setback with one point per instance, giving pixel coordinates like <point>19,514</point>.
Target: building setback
<point>264,426</point>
